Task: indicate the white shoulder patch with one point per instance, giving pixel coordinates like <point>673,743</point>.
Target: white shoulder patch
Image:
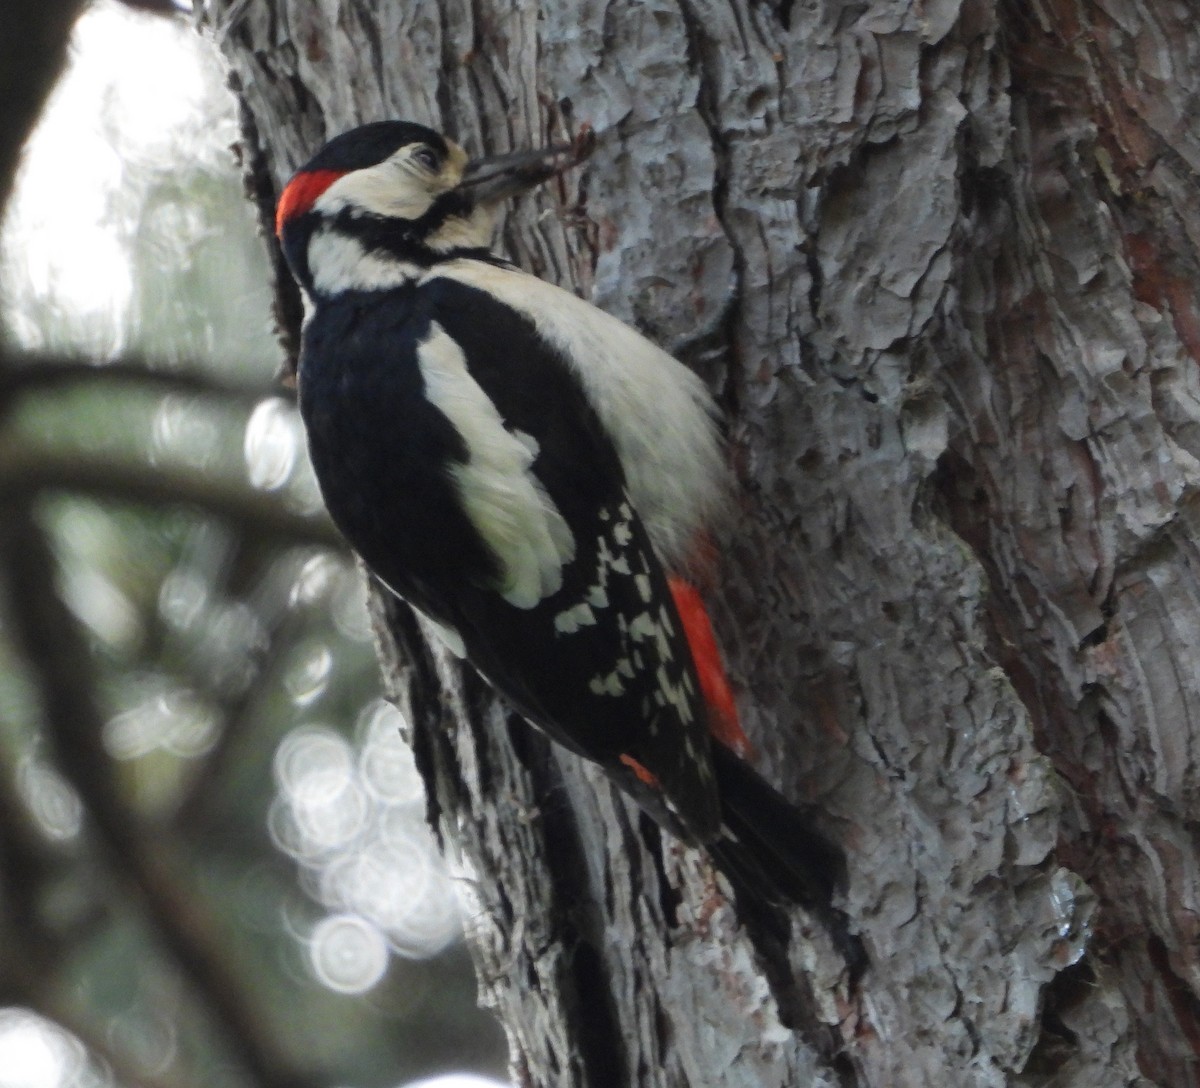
<point>505,501</point>
<point>660,415</point>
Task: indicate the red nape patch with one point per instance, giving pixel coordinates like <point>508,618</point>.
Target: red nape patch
<point>648,778</point>
<point>714,684</point>
<point>301,193</point>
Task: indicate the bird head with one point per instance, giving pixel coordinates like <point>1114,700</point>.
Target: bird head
<point>399,192</point>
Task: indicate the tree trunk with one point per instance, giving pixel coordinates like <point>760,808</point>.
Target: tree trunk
<point>938,261</point>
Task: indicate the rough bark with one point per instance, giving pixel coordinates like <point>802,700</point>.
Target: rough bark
<point>938,260</point>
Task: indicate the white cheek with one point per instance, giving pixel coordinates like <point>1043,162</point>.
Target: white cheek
<point>385,189</point>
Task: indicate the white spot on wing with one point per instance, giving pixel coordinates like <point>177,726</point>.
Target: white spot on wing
<point>642,628</point>
<point>505,501</point>
<point>675,694</point>
<point>570,620</point>
<point>609,684</point>
<point>648,637</point>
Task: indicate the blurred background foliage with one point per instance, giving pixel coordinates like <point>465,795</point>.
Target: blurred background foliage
<point>214,867</point>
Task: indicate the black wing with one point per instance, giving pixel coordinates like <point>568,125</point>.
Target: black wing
<point>601,663</point>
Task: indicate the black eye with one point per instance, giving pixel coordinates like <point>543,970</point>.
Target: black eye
<point>427,157</point>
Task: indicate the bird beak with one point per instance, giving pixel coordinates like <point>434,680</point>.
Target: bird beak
<point>494,179</point>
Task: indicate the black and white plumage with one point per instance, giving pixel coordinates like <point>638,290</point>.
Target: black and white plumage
<point>525,470</point>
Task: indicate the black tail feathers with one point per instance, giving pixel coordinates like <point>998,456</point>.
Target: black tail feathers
<point>774,857</point>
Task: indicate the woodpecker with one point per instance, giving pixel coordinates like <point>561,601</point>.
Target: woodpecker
<point>533,476</point>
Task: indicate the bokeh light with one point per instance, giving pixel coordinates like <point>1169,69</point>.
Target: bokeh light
<point>81,155</point>
<point>309,675</point>
<point>351,813</point>
<point>34,1053</point>
<point>128,239</point>
<point>167,718</point>
<point>457,1080</point>
<point>348,954</point>
<point>274,439</point>
<point>51,800</point>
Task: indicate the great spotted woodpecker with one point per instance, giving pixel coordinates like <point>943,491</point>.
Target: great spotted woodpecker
<point>533,476</point>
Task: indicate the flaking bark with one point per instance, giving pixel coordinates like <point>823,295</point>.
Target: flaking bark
<point>939,261</point>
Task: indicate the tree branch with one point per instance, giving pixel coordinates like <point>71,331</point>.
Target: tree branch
<point>240,717</point>
<point>24,473</point>
<point>32,949</point>
<point>42,373</point>
<point>29,948</point>
<point>57,657</point>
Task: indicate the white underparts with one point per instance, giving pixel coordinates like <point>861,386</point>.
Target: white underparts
<point>506,503</point>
